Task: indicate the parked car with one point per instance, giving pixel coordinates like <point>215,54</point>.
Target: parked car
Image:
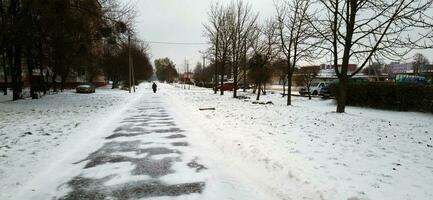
<point>325,92</point>
<point>410,79</point>
<point>314,88</point>
<point>85,88</point>
<point>227,87</point>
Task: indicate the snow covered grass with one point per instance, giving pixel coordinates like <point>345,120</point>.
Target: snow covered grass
<point>307,151</point>
<point>32,130</point>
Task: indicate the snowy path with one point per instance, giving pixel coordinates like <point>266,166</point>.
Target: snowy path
<point>149,153</point>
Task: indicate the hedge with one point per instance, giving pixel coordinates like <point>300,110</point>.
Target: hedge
<point>389,96</point>
<point>205,85</point>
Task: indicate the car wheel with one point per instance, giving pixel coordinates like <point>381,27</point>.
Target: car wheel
<point>314,92</point>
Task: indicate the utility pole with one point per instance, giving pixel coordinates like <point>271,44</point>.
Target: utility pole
<point>131,65</point>
<point>178,76</point>
<point>216,63</point>
<point>187,75</point>
<point>133,75</point>
<point>129,60</point>
<point>245,67</point>
<point>203,67</point>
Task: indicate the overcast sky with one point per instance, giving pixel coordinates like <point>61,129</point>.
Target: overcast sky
<point>181,21</point>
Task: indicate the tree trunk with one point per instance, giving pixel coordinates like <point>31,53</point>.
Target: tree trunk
<point>53,82</point>
<point>255,87</point>
<point>216,62</point>
<point>235,81</point>
<point>62,83</point>
<point>16,74</point>
<point>284,87</point>
<point>245,80</point>
<point>215,79</point>
<point>63,77</point>
<point>289,90</point>
<point>5,92</point>
<point>342,94</point>
<point>30,65</point>
<point>258,92</point>
<point>245,68</point>
<point>42,82</point>
<point>115,83</point>
<point>222,84</point>
<point>222,79</point>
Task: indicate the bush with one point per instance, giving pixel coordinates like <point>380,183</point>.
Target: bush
<point>205,84</point>
<point>390,96</point>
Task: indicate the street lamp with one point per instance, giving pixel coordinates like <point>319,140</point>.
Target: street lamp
<point>131,65</point>
<point>122,27</point>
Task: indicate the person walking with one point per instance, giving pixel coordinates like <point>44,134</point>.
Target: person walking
<point>154,87</point>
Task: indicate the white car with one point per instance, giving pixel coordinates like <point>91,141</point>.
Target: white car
<point>314,88</point>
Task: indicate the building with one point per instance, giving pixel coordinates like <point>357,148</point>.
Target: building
<point>395,68</point>
<point>328,71</point>
<point>186,77</point>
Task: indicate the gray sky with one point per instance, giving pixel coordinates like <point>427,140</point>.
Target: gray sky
<point>181,21</point>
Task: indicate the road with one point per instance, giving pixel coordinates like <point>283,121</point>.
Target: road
<point>151,153</point>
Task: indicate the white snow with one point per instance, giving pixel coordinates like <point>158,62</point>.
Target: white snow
<point>251,151</point>
<point>36,134</point>
<point>307,151</point>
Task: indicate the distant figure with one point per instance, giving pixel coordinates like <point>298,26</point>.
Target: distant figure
<point>154,87</point>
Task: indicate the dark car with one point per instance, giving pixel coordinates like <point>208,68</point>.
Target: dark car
<point>325,92</point>
<point>85,88</point>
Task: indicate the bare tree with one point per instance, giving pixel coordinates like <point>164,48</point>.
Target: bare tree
<point>242,23</point>
<point>3,45</point>
<point>420,63</point>
<point>294,32</point>
<point>265,43</point>
<point>259,71</point>
<point>212,32</point>
<point>356,30</point>
<point>308,74</point>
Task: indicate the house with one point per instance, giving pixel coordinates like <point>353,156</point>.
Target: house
<point>186,77</point>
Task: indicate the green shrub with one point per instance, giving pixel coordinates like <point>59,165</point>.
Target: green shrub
<point>390,96</point>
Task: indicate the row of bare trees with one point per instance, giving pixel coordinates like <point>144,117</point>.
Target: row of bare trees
<point>334,31</point>
<point>230,30</point>
<point>52,39</point>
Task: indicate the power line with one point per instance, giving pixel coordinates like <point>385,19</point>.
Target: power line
<point>176,43</point>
